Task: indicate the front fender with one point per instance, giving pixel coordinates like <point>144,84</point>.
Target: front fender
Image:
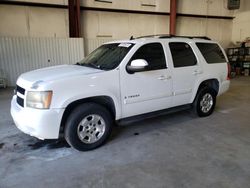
<point>71,89</point>
<point>91,95</point>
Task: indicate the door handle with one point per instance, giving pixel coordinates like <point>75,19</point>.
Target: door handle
<point>197,72</point>
<point>162,77</point>
<point>169,77</point>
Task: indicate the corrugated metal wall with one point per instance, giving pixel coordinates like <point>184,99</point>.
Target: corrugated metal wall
<point>21,54</point>
<point>92,44</point>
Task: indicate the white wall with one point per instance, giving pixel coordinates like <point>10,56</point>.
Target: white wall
<point>51,22</point>
<point>219,30</point>
<point>33,21</point>
<point>204,7</point>
<point>241,23</point>
<point>61,2</point>
<point>120,25</point>
<point>22,54</point>
<point>161,5</point>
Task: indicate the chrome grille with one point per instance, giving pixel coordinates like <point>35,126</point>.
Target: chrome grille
<point>20,90</point>
<point>19,99</point>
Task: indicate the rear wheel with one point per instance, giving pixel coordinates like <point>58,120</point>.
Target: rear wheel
<point>88,127</point>
<point>205,102</point>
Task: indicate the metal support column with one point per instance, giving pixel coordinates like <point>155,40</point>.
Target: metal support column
<point>172,25</point>
<point>74,18</point>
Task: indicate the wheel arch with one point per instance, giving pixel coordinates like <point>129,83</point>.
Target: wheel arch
<point>212,83</point>
<point>105,101</point>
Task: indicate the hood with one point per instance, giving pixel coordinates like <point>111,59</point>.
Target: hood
<point>54,73</point>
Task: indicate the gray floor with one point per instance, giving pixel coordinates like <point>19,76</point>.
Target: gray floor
<point>177,150</point>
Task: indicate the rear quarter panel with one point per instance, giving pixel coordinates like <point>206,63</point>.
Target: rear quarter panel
<point>218,71</point>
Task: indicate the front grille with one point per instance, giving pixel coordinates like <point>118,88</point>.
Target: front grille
<point>20,99</point>
<point>20,90</point>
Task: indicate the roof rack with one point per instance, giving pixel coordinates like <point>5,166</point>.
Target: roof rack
<point>162,36</point>
<point>155,36</point>
<point>190,37</point>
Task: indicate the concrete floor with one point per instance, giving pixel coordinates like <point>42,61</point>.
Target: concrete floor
<point>177,150</point>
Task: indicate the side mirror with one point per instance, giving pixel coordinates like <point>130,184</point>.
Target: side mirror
<point>137,65</point>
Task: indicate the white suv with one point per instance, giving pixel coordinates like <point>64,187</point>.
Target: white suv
<point>118,81</point>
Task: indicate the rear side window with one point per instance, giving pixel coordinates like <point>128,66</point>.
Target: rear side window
<point>153,53</point>
<point>211,52</point>
<point>182,54</point>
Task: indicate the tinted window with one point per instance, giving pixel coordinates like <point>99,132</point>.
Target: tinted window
<point>211,52</point>
<point>107,56</point>
<point>182,54</point>
<point>153,54</point>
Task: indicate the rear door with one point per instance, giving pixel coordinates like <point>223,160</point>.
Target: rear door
<point>186,70</point>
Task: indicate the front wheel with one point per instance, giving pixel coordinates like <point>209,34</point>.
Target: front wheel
<point>205,102</point>
<point>88,127</point>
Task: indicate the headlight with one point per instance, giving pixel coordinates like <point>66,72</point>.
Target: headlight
<point>39,99</point>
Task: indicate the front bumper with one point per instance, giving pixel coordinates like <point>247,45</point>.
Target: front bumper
<point>43,124</point>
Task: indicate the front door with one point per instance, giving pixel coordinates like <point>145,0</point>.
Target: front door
<point>149,90</point>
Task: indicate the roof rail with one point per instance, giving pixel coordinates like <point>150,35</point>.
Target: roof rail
<point>190,37</point>
<point>156,36</point>
<point>162,36</point>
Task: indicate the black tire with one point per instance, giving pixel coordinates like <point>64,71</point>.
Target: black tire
<point>199,109</point>
<point>83,112</point>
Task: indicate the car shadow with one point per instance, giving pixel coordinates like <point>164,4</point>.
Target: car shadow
<point>159,123</point>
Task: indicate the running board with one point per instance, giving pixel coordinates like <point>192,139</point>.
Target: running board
<point>149,115</point>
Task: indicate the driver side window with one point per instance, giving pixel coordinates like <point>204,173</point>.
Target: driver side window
<point>153,53</point>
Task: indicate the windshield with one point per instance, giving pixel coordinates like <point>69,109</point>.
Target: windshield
<point>107,56</point>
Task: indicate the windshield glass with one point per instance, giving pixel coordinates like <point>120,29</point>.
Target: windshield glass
<point>107,56</point>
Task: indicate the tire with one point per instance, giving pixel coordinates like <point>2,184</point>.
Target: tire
<point>88,126</point>
<point>205,102</point>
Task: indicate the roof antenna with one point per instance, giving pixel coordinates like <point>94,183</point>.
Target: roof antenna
<point>131,38</point>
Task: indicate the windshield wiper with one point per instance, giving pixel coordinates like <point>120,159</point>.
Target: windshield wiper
<point>92,65</point>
